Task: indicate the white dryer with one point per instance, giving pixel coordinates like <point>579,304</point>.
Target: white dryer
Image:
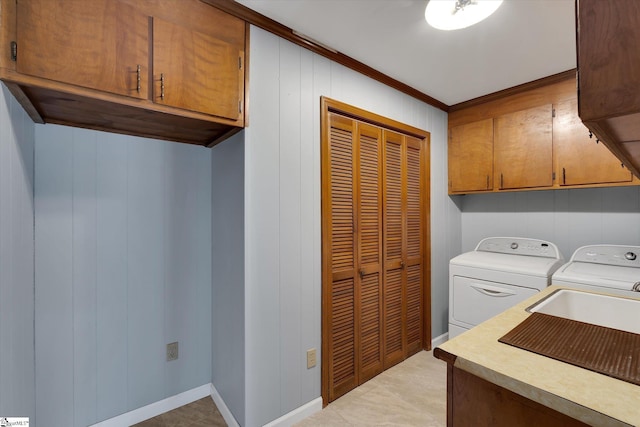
<point>613,269</point>
<point>499,273</point>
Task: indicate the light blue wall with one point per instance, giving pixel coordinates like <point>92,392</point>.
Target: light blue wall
<point>122,267</point>
<point>227,308</point>
<point>282,214</point>
<point>568,218</point>
<point>17,372</point>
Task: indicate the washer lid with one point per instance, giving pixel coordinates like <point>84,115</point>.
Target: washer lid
<point>608,276</point>
<point>610,266</point>
<point>520,264</point>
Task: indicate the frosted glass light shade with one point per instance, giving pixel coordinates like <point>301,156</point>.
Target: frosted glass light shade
<point>440,13</point>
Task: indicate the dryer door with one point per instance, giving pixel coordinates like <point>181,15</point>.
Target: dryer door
<point>475,301</point>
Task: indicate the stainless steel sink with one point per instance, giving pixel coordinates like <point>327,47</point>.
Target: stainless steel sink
<point>609,311</point>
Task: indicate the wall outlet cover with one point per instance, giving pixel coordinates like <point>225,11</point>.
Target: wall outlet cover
<point>311,358</point>
<point>172,351</point>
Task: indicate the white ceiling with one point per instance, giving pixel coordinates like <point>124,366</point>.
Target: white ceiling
<point>523,40</point>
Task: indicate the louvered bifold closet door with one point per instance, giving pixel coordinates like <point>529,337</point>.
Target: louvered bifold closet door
<point>404,231</point>
<point>416,233</point>
<point>393,248</point>
<point>342,292</point>
<point>355,297</point>
<point>369,252</point>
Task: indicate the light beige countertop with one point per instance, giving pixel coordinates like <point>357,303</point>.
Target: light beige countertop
<point>590,397</point>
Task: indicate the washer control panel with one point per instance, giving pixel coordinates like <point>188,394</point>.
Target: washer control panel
<point>627,256</point>
<point>519,246</point>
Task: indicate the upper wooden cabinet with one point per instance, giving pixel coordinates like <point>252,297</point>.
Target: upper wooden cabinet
<point>527,139</point>
<point>471,157</point>
<point>580,159</point>
<point>522,149</point>
<point>96,44</point>
<point>168,69</point>
<point>608,50</point>
<point>213,83</point>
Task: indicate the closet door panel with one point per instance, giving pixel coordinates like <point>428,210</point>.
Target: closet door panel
<point>342,323</point>
<point>415,242</point>
<point>393,316</point>
<point>369,234</point>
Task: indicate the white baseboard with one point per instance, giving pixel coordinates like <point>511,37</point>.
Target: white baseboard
<point>297,414</point>
<point>157,408</point>
<point>222,407</point>
<point>439,340</point>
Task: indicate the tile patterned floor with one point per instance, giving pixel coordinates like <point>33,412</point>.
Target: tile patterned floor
<point>412,393</point>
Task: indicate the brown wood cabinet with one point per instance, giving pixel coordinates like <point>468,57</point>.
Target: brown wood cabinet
<point>522,148</point>
<point>471,157</point>
<point>608,51</point>
<point>528,139</point>
<point>169,69</point>
<point>581,159</point>
<point>473,401</point>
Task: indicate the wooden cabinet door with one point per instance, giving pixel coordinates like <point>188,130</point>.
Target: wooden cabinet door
<point>523,149</point>
<point>96,44</point>
<point>471,157</point>
<point>580,160</point>
<point>196,71</point>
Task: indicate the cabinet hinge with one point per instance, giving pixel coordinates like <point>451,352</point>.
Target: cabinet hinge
<point>553,112</point>
<point>239,63</point>
<point>14,51</point>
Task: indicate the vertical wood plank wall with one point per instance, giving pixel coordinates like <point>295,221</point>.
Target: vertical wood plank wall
<point>122,267</point>
<point>282,214</point>
<point>568,218</point>
<point>17,373</point>
<point>227,269</point>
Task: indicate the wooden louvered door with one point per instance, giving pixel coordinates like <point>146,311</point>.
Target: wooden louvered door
<point>356,253</point>
<point>403,247</point>
<point>374,250</point>
<point>368,220</point>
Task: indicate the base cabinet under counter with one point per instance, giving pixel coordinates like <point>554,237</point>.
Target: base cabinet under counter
<point>473,401</point>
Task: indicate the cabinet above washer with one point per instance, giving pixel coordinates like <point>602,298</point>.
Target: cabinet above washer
<point>166,69</point>
<point>528,138</point>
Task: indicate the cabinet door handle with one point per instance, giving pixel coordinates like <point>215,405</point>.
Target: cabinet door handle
<point>564,176</point>
<point>361,272</point>
<point>487,182</point>
<point>162,86</point>
<point>138,78</point>
<point>501,181</point>
<point>402,265</point>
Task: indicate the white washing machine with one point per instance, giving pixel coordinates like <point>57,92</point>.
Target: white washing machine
<point>613,269</point>
<point>499,273</point>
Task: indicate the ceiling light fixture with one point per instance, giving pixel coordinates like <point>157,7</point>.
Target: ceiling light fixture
<point>456,14</point>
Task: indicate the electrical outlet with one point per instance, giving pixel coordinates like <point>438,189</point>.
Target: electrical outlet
<point>311,358</point>
<point>172,351</point>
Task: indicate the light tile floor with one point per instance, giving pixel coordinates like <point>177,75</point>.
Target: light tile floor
<point>412,393</point>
